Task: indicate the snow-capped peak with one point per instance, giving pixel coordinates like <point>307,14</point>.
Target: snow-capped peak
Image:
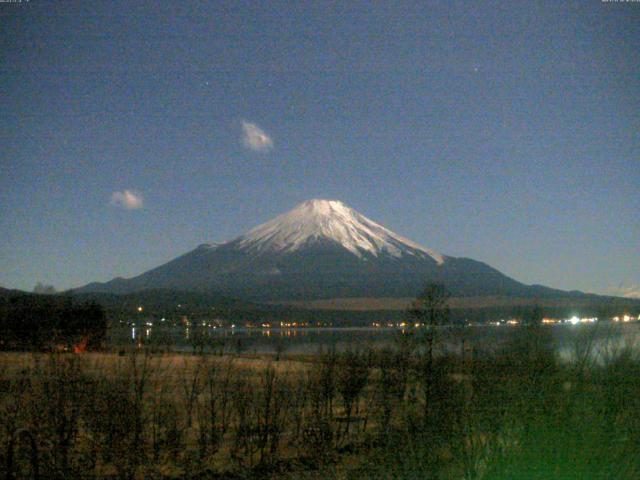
<point>332,220</point>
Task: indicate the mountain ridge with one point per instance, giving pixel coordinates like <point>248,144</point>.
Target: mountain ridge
<point>318,250</point>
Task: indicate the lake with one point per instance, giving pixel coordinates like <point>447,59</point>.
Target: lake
<point>570,341</point>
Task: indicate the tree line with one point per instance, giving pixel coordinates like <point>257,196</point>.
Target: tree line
<point>46,322</point>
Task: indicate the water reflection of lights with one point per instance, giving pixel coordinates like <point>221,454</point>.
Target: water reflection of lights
<point>576,320</point>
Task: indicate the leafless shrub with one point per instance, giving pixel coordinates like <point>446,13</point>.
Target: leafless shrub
<point>352,375</point>
<point>272,410</point>
<point>214,405</point>
<point>244,444</point>
<point>390,385</point>
<point>316,422</point>
<point>61,391</point>
<point>191,386</point>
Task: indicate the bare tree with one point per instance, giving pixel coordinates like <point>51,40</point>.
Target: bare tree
<point>430,310</point>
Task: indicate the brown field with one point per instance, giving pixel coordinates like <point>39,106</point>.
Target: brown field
<point>390,413</point>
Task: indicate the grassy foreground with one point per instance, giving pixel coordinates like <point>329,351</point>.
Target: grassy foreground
<point>395,413</point>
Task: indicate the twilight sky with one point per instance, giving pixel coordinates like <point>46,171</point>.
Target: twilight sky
<point>508,132</point>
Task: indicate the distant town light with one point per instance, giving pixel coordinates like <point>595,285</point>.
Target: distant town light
<point>574,320</point>
<point>139,309</point>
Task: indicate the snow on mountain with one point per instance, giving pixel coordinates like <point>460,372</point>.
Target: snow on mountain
<point>321,249</point>
<point>317,220</point>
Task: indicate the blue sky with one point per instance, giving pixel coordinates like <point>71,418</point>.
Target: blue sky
<point>507,132</point>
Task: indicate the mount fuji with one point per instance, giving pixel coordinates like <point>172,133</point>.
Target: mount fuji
<point>319,250</point>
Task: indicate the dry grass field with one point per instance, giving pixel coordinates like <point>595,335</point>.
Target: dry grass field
<point>389,413</point>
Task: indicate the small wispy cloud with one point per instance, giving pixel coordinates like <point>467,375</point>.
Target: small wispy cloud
<point>127,199</point>
<point>632,291</point>
<point>254,138</point>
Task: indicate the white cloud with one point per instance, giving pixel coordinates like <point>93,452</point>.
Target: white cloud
<point>254,138</point>
<point>127,199</point>
<point>632,291</point>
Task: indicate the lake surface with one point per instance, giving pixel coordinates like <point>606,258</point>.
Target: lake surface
<point>570,341</point>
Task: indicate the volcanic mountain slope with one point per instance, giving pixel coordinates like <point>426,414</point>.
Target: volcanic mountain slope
<point>321,249</point>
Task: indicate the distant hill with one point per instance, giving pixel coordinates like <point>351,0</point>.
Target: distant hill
<point>7,293</point>
<point>480,302</point>
<point>167,299</point>
<point>337,312</point>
